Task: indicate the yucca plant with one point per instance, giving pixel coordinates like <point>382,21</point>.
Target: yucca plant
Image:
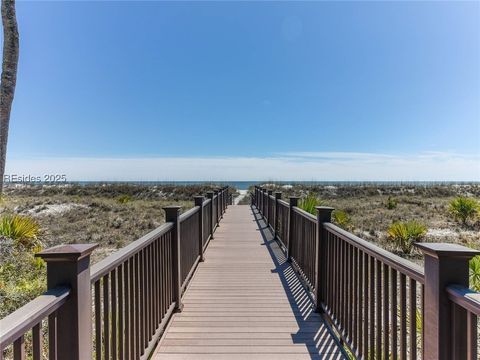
<point>21,229</point>
<point>464,209</point>
<point>341,218</point>
<point>475,273</point>
<point>123,199</point>
<point>404,234</point>
<point>309,203</point>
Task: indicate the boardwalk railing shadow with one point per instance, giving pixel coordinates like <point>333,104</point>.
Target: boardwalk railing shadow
<point>313,331</point>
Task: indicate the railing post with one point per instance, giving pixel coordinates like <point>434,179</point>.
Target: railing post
<point>269,216</point>
<point>444,264</point>
<point>222,192</point>
<point>210,195</point>
<point>264,203</point>
<point>293,203</point>
<point>217,207</point>
<point>278,196</point>
<point>69,265</point>
<point>199,202</point>
<point>172,214</point>
<point>260,201</point>
<point>324,215</point>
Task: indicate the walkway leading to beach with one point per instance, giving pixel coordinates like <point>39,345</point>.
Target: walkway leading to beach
<point>246,302</point>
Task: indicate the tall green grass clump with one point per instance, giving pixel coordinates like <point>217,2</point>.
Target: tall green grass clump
<point>405,234</point>
<point>309,203</point>
<point>21,229</point>
<point>464,209</point>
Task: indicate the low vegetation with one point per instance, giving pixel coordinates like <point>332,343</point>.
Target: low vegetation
<point>405,234</point>
<point>371,210</point>
<point>21,229</point>
<point>475,273</point>
<point>391,203</point>
<point>309,203</point>
<point>342,219</point>
<point>36,217</point>
<point>464,209</point>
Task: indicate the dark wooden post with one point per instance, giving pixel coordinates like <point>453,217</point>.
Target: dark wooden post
<point>172,214</point>
<point>264,203</point>
<point>199,202</point>
<point>324,214</point>
<point>269,208</point>
<point>293,203</point>
<point>278,196</point>
<point>69,265</point>
<point>444,264</point>
<point>210,195</point>
<point>218,192</point>
<point>260,200</point>
<point>222,194</point>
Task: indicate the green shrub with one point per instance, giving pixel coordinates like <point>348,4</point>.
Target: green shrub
<point>475,273</point>
<point>464,209</point>
<point>404,234</point>
<point>21,229</point>
<point>341,218</point>
<point>123,199</point>
<point>310,203</point>
<point>22,276</point>
<point>391,203</point>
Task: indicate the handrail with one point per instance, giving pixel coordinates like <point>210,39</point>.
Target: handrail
<point>20,321</point>
<point>206,202</point>
<point>283,202</point>
<point>111,262</point>
<point>305,214</point>
<point>189,213</point>
<point>406,267</point>
<point>465,297</point>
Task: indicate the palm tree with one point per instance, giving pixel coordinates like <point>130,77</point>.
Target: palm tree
<point>9,76</point>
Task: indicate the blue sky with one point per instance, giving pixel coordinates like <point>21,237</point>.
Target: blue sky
<point>240,91</point>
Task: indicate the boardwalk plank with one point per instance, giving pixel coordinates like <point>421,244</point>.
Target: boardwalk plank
<point>245,301</point>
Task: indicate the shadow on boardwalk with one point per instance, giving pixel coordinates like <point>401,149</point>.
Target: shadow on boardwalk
<point>313,331</point>
<point>246,303</point>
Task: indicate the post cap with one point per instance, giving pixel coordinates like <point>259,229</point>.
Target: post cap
<point>68,252</point>
<point>270,192</point>
<point>278,194</point>
<point>198,199</point>
<point>324,208</point>
<point>172,207</point>
<point>294,200</point>
<point>438,250</point>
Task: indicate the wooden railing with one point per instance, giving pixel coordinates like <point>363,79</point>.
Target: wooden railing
<point>380,305</point>
<point>135,291</point>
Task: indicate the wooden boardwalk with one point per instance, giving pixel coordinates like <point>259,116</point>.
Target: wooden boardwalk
<point>245,302</point>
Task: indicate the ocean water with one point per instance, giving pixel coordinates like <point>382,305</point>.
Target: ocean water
<point>244,185</point>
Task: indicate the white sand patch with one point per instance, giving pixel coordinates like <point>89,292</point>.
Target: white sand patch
<point>287,186</point>
<point>53,209</point>
<point>240,197</point>
<point>454,234</point>
<point>441,232</point>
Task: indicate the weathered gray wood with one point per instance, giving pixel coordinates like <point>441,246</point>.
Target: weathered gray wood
<point>246,301</point>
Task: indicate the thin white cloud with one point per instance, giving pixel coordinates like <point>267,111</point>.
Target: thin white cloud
<point>347,166</point>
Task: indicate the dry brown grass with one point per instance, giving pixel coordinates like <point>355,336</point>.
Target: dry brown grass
<point>370,217</point>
